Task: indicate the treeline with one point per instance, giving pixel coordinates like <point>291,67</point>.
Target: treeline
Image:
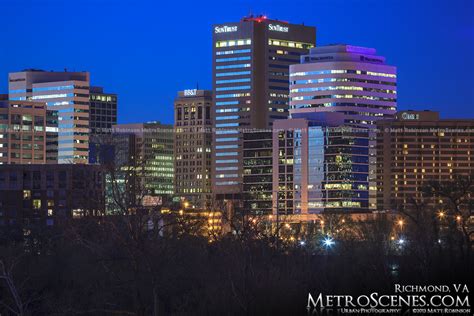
<point>163,264</point>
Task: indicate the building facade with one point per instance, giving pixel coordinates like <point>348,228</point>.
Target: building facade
<point>350,80</point>
<point>347,79</point>
<point>320,165</point>
<point>146,150</point>
<point>192,146</point>
<point>44,194</point>
<point>23,136</point>
<point>251,61</point>
<point>103,111</point>
<point>68,94</point>
<point>258,171</point>
<point>418,147</point>
<point>103,115</point>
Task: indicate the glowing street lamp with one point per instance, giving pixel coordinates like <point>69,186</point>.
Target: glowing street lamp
<point>328,242</point>
<point>441,214</point>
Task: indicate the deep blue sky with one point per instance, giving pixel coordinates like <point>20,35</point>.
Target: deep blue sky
<point>146,50</point>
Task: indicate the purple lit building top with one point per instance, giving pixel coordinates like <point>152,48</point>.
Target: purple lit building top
<point>347,79</point>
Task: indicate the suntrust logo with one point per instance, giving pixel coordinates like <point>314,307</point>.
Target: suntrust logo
<point>278,28</point>
<point>225,29</point>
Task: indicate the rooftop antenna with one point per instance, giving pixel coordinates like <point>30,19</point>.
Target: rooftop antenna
<point>197,85</point>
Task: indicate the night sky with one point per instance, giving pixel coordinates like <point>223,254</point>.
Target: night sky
<point>147,50</point>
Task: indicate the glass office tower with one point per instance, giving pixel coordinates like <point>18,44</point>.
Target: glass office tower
<point>320,165</point>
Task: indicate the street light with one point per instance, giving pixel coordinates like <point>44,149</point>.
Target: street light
<point>401,223</point>
<point>328,242</point>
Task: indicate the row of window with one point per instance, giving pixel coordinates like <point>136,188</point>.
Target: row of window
<point>342,96</point>
<point>233,66</point>
<point>233,95</point>
<point>235,80</point>
<point>279,42</point>
<point>230,43</point>
<point>332,88</point>
<point>224,60</point>
<point>233,88</point>
<point>227,110</point>
<point>342,71</point>
<point>231,117</point>
<point>227,103</point>
<point>231,52</point>
<point>227,139</point>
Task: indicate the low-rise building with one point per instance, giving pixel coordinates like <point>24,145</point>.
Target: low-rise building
<point>45,194</point>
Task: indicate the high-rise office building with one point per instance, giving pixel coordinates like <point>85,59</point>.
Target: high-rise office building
<point>251,61</point>
<point>103,115</point>
<point>22,132</point>
<point>320,165</point>
<point>68,94</point>
<point>147,150</point>
<point>193,145</point>
<point>350,80</point>
<point>347,79</point>
<point>418,147</point>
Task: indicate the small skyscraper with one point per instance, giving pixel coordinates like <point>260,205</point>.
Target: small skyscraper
<point>251,61</point>
<point>193,145</point>
<point>319,166</point>
<point>324,157</point>
<point>68,94</point>
<point>347,79</point>
<point>146,151</point>
<point>103,115</point>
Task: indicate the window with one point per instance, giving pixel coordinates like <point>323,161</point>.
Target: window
<point>26,194</point>
<point>237,42</point>
<point>36,204</point>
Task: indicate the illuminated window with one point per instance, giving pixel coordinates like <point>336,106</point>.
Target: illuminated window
<point>239,42</point>
<point>26,194</point>
<point>36,204</point>
<point>284,43</point>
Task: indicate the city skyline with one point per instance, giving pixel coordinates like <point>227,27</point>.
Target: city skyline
<point>143,46</point>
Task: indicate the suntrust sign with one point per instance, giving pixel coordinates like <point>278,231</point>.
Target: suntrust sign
<point>225,29</point>
<point>278,28</point>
